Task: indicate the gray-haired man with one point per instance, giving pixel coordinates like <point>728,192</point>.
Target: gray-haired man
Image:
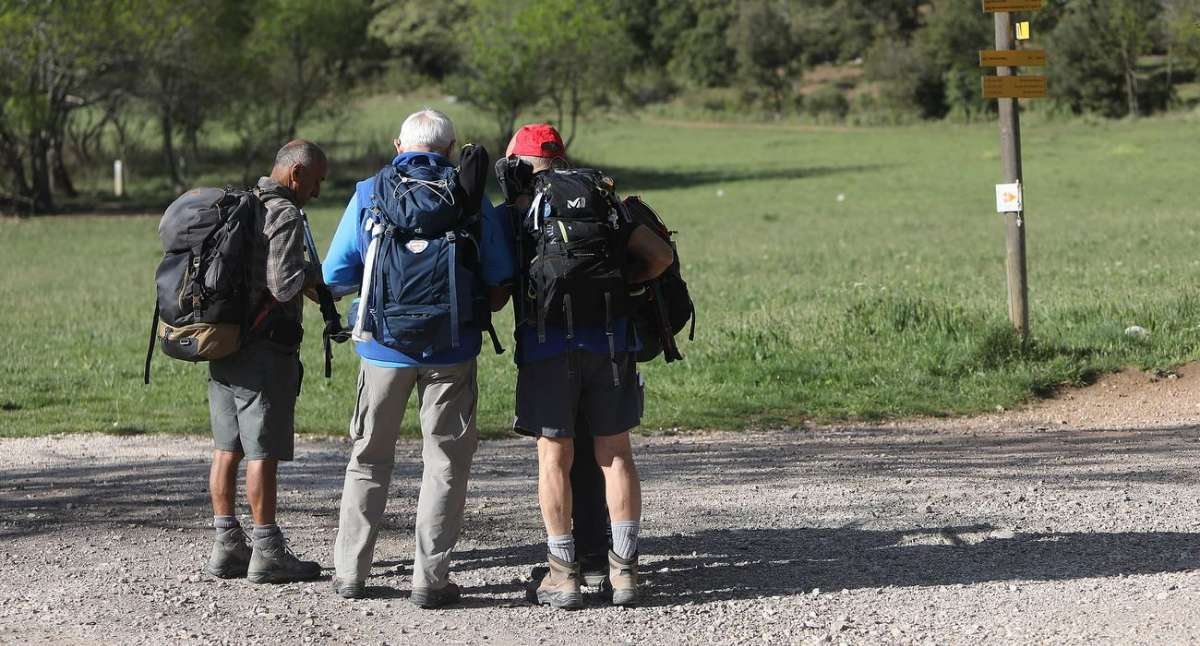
<point>433,251</point>
<point>252,394</point>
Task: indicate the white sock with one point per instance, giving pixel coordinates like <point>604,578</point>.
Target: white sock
<point>625,538</point>
<point>562,547</point>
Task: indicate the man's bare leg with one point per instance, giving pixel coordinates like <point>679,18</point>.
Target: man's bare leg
<point>623,488</point>
<point>622,485</point>
<point>222,481</point>
<point>230,555</point>
<point>560,587</point>
<point>261,489</point>
<point>554,483</point>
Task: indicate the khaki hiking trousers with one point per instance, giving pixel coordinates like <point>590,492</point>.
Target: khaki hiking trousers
<point>447,398</point>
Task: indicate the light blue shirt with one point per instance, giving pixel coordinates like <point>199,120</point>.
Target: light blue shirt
<point>344,263</point>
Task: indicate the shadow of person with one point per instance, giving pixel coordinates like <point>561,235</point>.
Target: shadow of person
<point>723,564</point>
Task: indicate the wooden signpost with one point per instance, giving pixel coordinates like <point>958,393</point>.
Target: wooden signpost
<point>1007,88</point>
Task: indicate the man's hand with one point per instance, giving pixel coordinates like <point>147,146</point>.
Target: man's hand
<point>651,255</point>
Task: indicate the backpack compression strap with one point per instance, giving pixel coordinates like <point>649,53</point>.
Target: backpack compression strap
<point>150,350</point>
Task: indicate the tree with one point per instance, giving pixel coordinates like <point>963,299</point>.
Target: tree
<point>420,34</point>
<point>584,53</point>
<point>694,31</point>
<point>766,52</point>
<point>1094,54</point>
<point>54,59</point>
<point>187,50</point>
<point>1181,19</point>
<point>519,54</point>
<point>297,56</point>
<point>950,41</point>
<point>833,31</point>
<point>500,73</point>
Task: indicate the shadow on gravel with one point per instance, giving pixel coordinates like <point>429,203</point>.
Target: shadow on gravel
<point>922,456</point>
<point>739,564</point>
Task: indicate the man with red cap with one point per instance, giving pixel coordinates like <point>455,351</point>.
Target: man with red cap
<point>577,382</point>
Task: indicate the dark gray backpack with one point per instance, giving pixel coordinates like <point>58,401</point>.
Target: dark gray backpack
<point>201,310</point>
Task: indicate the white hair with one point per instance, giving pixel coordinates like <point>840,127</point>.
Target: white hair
<point>428,128</point>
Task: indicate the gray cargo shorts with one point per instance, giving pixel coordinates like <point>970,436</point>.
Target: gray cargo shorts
<point>252,401</point>
<point>554,393</point>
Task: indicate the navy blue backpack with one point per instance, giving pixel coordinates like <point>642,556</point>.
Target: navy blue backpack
<point>426,281</point>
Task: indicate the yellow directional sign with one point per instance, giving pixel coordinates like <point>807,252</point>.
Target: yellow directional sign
<point>1012,58</point>
<point>995,6</point>
<point>1014,87</point>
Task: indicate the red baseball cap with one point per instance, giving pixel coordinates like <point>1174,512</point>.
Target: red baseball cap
<point>537,140</point>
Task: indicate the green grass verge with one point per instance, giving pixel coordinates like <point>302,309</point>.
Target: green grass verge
<point>889,301</point>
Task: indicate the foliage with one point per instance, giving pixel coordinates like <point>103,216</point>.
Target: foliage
<point>519,54</point>
<point>1181,19</point>
<point>420,34</point>
<point>184,62</point>
<point>838,31</point>
<point>694,31</point>
<point>299,54</point>
<point>1094,55</point>
<point>765,49</point>
<point>828,102</point>
<point>54,59</point>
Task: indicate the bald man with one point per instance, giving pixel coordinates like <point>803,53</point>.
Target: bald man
<point>252,394</point>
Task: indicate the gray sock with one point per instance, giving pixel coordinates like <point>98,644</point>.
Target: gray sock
<point>222,524</point>
<point>562,547</point>
<point>266,532</point>
<point>625,538</point>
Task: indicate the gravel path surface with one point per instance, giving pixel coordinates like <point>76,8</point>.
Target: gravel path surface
<point>969,531</point>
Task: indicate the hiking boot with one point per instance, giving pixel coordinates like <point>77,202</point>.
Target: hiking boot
<point>349,589</point>
<point>594,569</point>
<point>430,598</point>
<point>560,586</point>
<point>274,562</point>
<point>230,554</point>
<point>623,577</point>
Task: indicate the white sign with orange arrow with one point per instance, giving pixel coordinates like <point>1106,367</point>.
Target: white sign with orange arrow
<point>1009,198</point>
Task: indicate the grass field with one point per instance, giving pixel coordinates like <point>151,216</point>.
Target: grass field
<point>838,273</point>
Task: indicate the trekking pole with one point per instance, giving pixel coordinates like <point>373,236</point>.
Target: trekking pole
<point>333,320</point>
<point>376,228</point>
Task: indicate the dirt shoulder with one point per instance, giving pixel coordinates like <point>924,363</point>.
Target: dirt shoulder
<point>1012,527</point>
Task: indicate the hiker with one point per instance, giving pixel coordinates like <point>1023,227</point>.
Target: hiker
<point>426,251</point>
<point>252,393</point>
<point>577,254</point>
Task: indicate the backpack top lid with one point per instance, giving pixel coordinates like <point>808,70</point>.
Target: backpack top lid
<point>419,196</point>
<point>578,193</point>
<point>189,220</point>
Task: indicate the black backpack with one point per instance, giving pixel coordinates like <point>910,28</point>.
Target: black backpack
<point>202,312</point>
<point>663,306</point>
<point>574,249</point>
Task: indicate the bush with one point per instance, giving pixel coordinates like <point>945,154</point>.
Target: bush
<point>827,103</point>
<point>649,85</point>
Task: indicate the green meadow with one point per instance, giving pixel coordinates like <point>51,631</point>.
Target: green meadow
<point>838,273</point>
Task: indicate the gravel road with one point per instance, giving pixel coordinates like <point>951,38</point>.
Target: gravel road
<point>966,531</point>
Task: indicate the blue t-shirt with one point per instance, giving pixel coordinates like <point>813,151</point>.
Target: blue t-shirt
<point>587,338</point>
<point>343,270</point>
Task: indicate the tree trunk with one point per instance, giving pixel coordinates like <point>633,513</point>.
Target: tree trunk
<point>168,149</point>
<point>42,193</point>
<point>61,178</point>
<point>1131,91</point>
<point>575,108</point>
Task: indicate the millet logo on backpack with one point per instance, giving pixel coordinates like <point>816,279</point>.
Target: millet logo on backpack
<point>577,203</point>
